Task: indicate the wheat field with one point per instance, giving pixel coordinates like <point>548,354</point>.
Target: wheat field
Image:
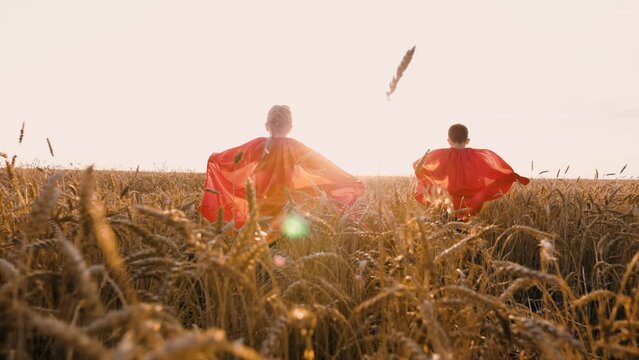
<point>119,265</point>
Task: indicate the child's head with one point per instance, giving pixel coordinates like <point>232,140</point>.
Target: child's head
<point>279,121</point>
<point>458,136</point>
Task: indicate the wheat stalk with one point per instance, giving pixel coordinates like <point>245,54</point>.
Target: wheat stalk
<point>43,207</point>
<point>8,270</point>
<point>533,325</point>
<point>596,295</point>
<point>413,349</point>
<point>517,270</point>
<point>400,71</point>
<point>460,245</point>
<point>70,335</point>
<point>116,318</point>
<point>50,147</point>
<point>210,341</point>
<point>21,134</point>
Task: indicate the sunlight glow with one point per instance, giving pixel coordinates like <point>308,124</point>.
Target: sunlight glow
<point>295,226</point>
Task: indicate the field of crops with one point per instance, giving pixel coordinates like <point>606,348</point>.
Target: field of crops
<point>100,265</point>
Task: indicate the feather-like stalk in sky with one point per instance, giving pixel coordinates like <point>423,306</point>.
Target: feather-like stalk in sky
<point>50,147</point>
<point>21,134</point>
<point>400,71</point>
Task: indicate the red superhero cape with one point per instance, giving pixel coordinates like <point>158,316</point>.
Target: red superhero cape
<point>470,176</point>
<point>279,167</point>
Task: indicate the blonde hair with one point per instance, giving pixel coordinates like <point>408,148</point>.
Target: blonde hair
<point>279,119</point>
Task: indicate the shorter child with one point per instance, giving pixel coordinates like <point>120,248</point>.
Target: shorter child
<point>470,176</point>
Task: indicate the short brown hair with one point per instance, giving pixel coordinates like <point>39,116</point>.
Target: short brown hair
<point>458,133</point>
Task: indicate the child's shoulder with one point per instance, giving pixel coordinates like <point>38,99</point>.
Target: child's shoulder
<point>440,151</point>
<point>484,151</point>
<point>467,150</point>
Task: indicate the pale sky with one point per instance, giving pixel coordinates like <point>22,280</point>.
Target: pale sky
<point>162,84</point>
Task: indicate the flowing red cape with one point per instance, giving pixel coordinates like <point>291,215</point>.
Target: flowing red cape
<point>470,176</point>
<point>280,168</point>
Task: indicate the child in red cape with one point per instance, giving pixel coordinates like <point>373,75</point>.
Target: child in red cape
<point>279,168</point>
<point>470,176</point>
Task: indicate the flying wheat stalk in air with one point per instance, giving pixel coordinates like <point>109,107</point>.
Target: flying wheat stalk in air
<point>400,71</point>
<point>21,134</point>
<point>50,147</point>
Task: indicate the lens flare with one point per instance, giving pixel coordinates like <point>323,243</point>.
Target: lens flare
<point>295,226</point>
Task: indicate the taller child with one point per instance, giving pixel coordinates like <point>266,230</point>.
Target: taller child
<point>279,167</point>
<point>470,176</point>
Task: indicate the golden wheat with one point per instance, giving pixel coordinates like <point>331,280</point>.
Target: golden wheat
<point>119,265</point>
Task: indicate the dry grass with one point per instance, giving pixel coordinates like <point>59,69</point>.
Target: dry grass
<point>120,265</point>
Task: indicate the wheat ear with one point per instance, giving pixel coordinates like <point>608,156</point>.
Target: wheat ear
<point>400,71</point>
